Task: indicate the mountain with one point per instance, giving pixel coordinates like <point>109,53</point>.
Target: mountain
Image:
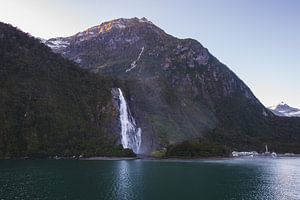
<point>49,106</point>
<point>177,91</point>
<point>284,110</point>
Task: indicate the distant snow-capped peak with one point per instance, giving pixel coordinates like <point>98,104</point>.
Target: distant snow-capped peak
<point>284,110</point>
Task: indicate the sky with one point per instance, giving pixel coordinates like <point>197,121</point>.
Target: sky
<point>258,40</point>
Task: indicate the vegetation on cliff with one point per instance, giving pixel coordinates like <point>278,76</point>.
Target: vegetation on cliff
<point>49,106</point>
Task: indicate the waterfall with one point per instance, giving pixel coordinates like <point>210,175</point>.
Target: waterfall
<point>131,134</point>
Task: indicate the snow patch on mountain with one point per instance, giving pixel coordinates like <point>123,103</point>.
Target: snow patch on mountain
<point>57,43</point>
<point>133,64</point>
<point>78,60</point>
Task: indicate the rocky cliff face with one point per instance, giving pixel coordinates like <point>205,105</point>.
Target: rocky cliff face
<point>176,89</point>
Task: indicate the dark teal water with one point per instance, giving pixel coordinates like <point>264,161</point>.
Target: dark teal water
<point>264,179</point>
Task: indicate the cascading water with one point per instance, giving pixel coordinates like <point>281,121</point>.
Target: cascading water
<point>131,135</point>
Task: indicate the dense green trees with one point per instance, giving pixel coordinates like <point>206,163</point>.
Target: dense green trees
<point>49,106</point>
<point>197,148</point>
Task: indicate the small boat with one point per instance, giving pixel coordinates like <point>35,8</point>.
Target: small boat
<point>274,154</point>
<point>267,153</point>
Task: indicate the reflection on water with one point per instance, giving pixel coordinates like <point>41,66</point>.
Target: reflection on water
<point>264,179</point>
<point>267,178</point>
<point>284,178</point>
<point>123,188</point>
<point>127,180</point>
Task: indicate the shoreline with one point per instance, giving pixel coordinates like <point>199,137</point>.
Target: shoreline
<point>109,158</point>
<point>146,158</point>
<point>112,158</point>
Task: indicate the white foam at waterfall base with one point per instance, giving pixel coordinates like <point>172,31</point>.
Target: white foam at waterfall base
<point>131,135</point>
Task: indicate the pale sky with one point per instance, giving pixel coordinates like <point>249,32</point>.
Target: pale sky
<point>258,40</point>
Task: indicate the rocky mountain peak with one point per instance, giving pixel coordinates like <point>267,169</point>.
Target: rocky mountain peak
<point>280,106</point>
<point>136,48</point>
<point>119,24</point>
<point>284,110</point>
<point>122,31</point>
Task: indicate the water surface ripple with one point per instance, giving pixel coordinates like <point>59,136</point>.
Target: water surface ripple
<point>263,179</point>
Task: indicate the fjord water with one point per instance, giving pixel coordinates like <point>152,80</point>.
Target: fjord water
<point>141,179</point>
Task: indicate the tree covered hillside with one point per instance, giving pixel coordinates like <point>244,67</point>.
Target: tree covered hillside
<point>49,106</point>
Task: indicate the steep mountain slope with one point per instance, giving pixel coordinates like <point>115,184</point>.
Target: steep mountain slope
<point>49,106</point>
<point>176,89</point>
<point>285,110</point>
